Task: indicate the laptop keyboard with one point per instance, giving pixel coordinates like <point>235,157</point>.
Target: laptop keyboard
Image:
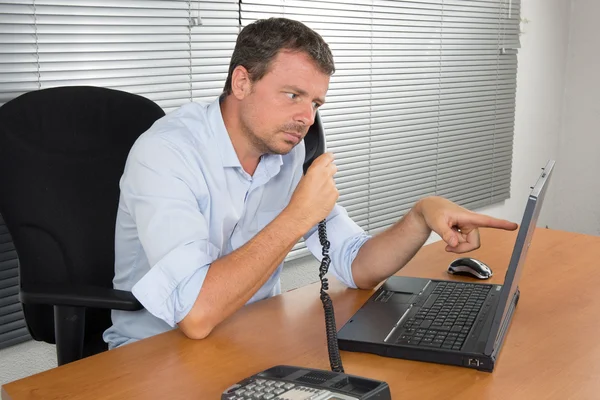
<point>447,316</point>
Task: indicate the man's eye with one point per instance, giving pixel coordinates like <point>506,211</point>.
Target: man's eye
<point>316,105</point>
<point>292,95</point>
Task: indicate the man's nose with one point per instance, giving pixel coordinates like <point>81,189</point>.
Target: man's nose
<point>306,115</point>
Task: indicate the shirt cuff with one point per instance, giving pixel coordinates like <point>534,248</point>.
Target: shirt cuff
<point>346,238</point>
<point>168,291</point>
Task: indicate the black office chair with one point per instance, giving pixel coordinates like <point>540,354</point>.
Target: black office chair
<point>62,153</point>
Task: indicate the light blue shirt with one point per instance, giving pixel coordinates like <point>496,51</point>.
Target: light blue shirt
<point>185,202</point>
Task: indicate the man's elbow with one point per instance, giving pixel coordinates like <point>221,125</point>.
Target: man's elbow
<point>365,283</point>
<point>196,327</point>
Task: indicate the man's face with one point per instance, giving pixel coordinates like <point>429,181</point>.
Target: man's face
<point>280,107</point>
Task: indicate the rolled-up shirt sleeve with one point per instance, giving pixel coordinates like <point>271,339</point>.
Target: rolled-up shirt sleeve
<point>162,195</point>
<point>346,239</point>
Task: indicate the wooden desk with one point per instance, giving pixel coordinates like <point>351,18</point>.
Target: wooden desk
<point>551,351</point>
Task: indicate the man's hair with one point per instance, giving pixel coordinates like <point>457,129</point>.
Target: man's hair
<point>259,43</point>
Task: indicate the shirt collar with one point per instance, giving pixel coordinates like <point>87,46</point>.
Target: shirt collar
<point>268,167</point>
<point>270,164</point>
<point>222,139</point>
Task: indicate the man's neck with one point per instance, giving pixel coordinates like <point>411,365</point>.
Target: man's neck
<point>248,156</point>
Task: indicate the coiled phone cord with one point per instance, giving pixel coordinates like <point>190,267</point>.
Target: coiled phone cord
<point>335,359</point>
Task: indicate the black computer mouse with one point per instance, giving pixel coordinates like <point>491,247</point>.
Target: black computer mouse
<point>470,267</point>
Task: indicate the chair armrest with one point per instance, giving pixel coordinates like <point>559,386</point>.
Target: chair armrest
<point>79,296</point>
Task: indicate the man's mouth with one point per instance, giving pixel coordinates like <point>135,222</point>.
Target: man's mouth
<point>293,136</point>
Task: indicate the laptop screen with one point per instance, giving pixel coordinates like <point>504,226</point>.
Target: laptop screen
<point>515,267</point>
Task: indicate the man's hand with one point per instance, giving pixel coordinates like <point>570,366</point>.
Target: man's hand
<point>457,226</point>
<point>316,194</point>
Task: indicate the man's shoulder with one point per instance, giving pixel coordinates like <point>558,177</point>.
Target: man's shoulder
<point>185,122</point>
<point>183,128</point>
<point>194,111</point>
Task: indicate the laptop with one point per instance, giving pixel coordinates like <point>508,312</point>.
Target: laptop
<point>446,322</point>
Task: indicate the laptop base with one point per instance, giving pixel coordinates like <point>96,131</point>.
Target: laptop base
<point>376,341</point>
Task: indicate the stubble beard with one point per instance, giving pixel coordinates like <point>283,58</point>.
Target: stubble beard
<point>265,147</point>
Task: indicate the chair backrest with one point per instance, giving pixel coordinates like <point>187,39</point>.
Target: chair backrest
<point>62,153</point>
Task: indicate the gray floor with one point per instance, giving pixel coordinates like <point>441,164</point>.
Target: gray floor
<point>32,357</point>
<point>25,359</point>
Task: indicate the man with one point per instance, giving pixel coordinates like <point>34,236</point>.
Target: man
<point>213,198</point>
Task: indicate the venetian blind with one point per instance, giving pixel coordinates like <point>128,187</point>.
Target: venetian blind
<point>422,101</point>
<point>169,51</point>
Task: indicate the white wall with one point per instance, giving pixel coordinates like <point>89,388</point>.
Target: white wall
<point>577,203</point>
<point>539,104</point>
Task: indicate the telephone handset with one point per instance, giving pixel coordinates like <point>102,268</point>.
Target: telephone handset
<point>314,143</point>
<point>287,382</point>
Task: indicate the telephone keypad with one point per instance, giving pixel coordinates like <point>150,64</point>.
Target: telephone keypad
<point>265,389</point>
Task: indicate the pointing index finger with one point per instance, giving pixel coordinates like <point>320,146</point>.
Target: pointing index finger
<point>485,221</point>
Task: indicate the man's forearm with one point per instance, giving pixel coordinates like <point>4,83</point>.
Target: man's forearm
<point>386,253</point>
<point>233,279</point>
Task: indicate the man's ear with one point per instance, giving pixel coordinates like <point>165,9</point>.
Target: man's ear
<point>241,85</point>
